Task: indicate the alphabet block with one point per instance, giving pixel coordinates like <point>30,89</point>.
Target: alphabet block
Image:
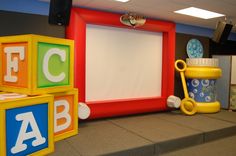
<point>33,64</point>
<point>26,125</point>
<point>65,114</point>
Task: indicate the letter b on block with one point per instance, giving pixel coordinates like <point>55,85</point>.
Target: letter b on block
<point>65,114</point>
<point>33,64</point>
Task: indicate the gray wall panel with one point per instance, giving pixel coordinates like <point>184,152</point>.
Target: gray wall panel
<point>223,83</point>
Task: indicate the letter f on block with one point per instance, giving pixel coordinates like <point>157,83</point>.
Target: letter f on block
<point>27,119</point>
<point>13,64</point>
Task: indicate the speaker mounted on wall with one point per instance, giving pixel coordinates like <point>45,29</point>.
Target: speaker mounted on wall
<point>59,12</point>
<point>222,32</point>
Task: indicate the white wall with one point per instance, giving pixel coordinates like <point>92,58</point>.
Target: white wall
<point>233,70</point>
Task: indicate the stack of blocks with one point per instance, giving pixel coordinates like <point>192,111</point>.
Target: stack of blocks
<point>40,69</point>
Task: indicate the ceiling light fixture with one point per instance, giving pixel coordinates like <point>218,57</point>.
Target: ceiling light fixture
<point>122,1</point>
<point>200,13</point>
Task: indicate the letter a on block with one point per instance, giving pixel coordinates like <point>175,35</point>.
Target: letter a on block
<point>48,75</point>
<point>27,119</point>
<point>64,114</point>
<point>13,64</point>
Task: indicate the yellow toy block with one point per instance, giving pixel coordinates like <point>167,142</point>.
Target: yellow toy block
<point>26,125</point>
<point>65,114</point>
<point>33,64</point>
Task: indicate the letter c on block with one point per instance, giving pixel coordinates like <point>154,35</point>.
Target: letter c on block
<point>48,75</point>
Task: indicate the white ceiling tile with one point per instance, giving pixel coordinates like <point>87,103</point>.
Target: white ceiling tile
<point>77,3</point>
<point>230,2</point>
<point>163,9</point>
<point>104,4</point>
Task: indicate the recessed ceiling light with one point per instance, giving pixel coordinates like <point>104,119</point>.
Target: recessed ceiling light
<point>200,13</point>
<point>122,0</point>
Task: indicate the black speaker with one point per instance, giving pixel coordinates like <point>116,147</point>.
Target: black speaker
<point>59,12</point>
<point>222,32</point>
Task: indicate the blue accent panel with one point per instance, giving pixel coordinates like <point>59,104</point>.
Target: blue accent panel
<point>199,31</point>
<point>202,90</point>
<point>25,6</point>
<point>194,30</point>
<point>40,113</point>
<point>232,36</point>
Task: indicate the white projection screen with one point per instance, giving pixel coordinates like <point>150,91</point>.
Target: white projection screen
<point>122,63</point>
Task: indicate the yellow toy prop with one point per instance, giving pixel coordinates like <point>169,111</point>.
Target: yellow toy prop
<point>201,75</point>
<point>188,105</point>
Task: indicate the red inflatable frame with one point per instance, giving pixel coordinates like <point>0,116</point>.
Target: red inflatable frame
<point>77,31</point>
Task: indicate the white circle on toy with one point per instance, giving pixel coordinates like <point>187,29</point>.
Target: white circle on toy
<point>191,95</point>
<point>201,94</point>
<point>205,83</point>
<point>195,91</point>
<point>208,98</point>
<point>195,82</point>
<point>173,101</point>
<point>83,111</point>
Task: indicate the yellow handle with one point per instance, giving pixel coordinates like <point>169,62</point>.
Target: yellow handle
<point>188,105</point>
<point>182,63</point>
<point>181,70</point>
